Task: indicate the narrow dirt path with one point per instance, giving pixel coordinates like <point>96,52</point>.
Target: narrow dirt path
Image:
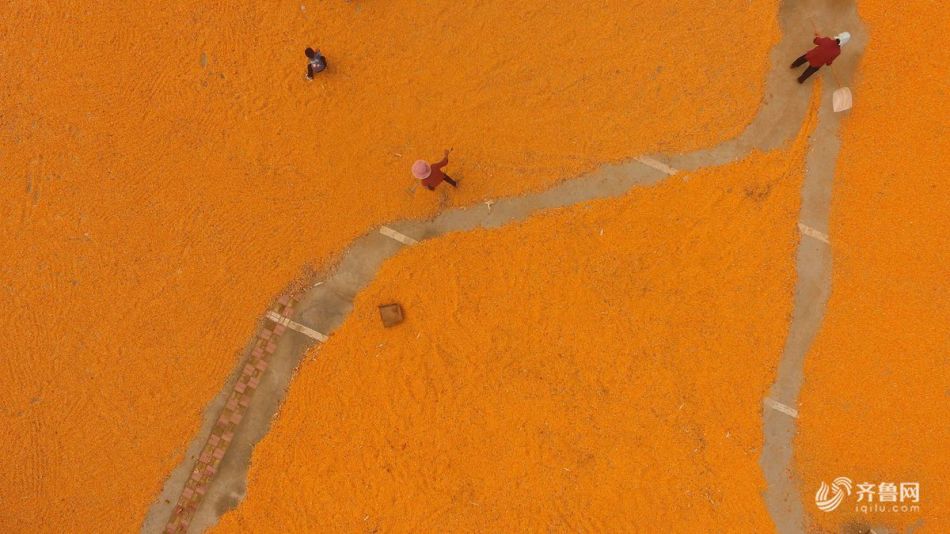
<point>212,478</point>
<point>813,267</point>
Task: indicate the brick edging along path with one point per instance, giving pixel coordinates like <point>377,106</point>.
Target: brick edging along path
<point>217,444</point>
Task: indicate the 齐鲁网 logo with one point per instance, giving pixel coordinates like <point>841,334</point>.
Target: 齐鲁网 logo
<point>890,496</point>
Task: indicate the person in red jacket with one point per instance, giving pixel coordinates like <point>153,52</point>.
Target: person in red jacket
<point>824,54</point>
<point>432,175</point>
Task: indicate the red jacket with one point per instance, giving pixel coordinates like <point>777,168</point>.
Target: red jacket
<point>436,177</point>
<point>823,54</point>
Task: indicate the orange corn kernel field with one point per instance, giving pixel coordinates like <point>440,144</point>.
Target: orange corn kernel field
<point>875,399</point>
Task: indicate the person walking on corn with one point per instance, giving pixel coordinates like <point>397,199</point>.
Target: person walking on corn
<point>824,53</point>
<point>432,175</point>
<point>316,62</point>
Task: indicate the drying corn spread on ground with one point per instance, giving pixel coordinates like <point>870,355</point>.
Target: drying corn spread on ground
<point>875,400</point>
<point>167,170</point>
<point>594,368</point>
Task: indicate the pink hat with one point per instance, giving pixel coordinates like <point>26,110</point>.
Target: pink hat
<point>421,169</point>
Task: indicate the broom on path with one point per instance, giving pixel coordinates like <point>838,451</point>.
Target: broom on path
<point>841,99</point>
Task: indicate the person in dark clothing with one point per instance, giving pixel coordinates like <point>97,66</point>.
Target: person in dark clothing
<point>824,53</point>
<point>316,62</point>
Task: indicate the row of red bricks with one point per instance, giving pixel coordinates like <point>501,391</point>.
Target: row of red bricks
<point>224,428</point>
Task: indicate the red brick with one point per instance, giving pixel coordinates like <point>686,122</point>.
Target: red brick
<point>228,436</point>
<point>252,383</point>
<point>219,453</point>
<point>245,400</point>
<point>236,417</point>
<point>240,387</point>
<point>279,329</point>
<point>264,334</point>
<point>261,365</point>
<point>270,348</point>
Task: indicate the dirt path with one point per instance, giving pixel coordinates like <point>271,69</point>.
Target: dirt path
<point>212,477</point>
<point>813,266</point>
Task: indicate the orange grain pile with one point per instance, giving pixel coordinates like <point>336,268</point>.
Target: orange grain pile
<point>594,368</point>
<point>166,170</point>
<point>875,401</point>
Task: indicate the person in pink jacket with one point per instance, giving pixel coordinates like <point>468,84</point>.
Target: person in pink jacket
<point>824,53</point>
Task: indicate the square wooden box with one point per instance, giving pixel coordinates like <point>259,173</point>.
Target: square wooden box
<point>391,314</point>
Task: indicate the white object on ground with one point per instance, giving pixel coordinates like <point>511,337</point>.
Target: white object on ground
<point>392,234</point>
<point>841,99</point>
<point>812,233</point>
<point>779,407</point>
<point>658,165</point>
<point>294,325</point>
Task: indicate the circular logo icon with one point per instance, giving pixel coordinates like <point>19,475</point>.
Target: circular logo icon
<point>839,489</point>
